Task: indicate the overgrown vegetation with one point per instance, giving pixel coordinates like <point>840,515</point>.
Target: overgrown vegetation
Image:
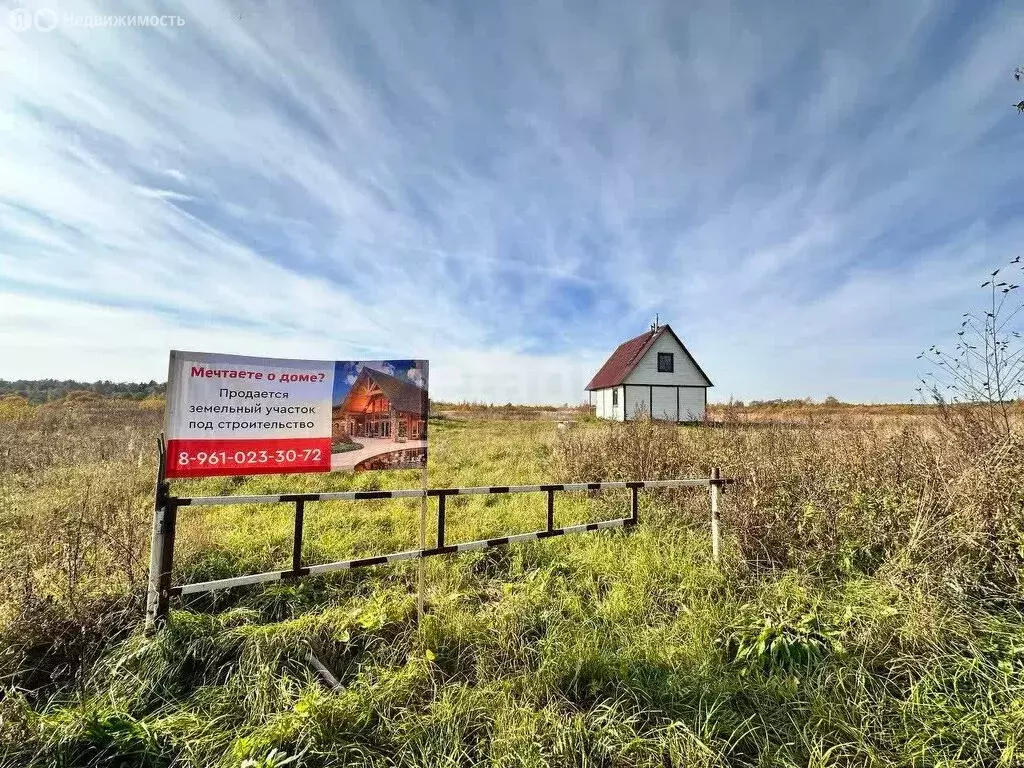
<point>985,368</point>
<point>868,610</point>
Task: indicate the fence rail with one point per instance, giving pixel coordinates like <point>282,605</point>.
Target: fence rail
<point>417,493</point>
<point>166,512</point>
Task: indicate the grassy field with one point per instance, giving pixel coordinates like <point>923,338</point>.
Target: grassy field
<point>868,610</point>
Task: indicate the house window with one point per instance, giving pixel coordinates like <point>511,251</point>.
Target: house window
<point>615,397</point>
<point>665,362</point>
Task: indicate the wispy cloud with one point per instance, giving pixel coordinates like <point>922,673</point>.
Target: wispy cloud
<point>806,193</point>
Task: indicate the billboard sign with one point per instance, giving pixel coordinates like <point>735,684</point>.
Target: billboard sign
<point>234,415</point>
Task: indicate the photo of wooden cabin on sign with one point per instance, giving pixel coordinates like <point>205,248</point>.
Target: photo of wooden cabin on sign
<point>379,415</point>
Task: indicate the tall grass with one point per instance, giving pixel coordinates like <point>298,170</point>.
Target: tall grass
<point>867,611</point>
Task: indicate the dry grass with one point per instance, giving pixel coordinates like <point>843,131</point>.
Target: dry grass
<point>840,415</point>
<point>831,491</point>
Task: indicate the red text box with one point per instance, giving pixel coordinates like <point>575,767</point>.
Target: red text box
<point>210,458</point>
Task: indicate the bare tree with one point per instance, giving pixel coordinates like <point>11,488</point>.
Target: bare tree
<point>980,382</point>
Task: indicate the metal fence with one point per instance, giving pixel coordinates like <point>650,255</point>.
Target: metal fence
<point>166,515</point>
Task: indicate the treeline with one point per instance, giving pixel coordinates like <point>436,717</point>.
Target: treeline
<point>466,405</point>
<point>44,390</point>
<point>797,402</point>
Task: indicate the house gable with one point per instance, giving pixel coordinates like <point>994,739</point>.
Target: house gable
<point>686,372</point>
<point>637,354</point>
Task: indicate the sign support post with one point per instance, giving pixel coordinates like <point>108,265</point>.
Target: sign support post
<point>422,588</point>
<point>170,523</point>
<point>156,541</point>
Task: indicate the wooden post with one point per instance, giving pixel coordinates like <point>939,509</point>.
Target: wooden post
<point>716,545</point>
<point>170,524</point>
<point>156,539</point>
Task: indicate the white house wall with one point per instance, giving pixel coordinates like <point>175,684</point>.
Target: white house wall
<point>603,407</point>
<point>670,403</point>
<point>691,403</point>
<point>637,401</point>
<point>685,373</point>
<point>665,403</point>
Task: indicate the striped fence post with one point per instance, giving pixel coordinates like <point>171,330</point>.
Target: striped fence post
<point>716,544</point>
<point>300,519</point>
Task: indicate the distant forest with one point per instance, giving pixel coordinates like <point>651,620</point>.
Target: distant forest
<point>44,390</point>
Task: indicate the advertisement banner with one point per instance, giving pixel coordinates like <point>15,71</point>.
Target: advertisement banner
<point>234,415</point>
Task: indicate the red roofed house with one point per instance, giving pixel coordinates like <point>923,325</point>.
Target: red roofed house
<point>652,376</point>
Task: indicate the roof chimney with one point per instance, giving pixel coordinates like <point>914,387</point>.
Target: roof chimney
<point>654,325</point>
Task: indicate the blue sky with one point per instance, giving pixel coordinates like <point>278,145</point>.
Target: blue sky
<point>810,193</point>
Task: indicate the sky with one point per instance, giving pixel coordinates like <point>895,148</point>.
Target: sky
<point>347,371</point>
<point>809,193</point>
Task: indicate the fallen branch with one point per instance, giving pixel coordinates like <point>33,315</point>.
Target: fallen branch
<point>325,673</point>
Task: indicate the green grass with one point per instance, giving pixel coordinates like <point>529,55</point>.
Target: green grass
<point>860,616</point>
